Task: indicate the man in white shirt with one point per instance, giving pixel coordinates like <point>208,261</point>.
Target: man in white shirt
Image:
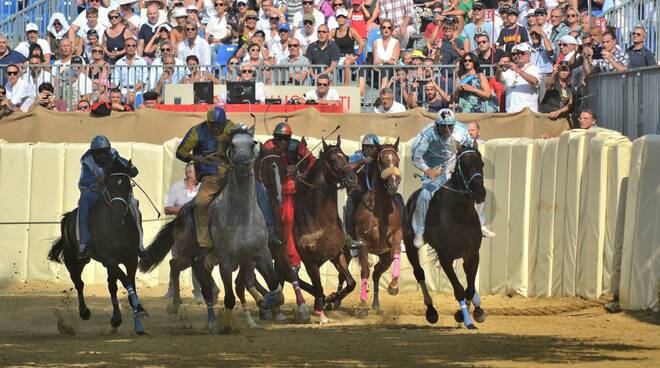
<point>307,35</point>
<point>194,45</point>
<point>130,80</point>
<point>323,94</point>
<point>521,79</point>
<point>19,92</point>
<point>308,9</point>
<point>81,19</point>
<point>388,105</point>
<point>263,24</point>
<point>32,32</point>
<point>155,73</point>
<point>66,50</point>
<point>35,74</point>
<point>83,33</point>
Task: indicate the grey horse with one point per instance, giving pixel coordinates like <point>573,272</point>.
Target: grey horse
<point>238,231</point>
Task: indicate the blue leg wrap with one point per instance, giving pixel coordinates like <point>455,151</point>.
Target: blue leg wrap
<point>467,320</point>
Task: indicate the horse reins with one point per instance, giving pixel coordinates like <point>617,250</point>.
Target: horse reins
<point>466,182</point>
<point>110,200</point>
<point>336,174</point>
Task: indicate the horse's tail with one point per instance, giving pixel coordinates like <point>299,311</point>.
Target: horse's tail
<point>56,253</point>
<point>159,248</point>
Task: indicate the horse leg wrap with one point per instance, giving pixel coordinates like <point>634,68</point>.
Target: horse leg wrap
<point>363,289</point>
<point>133,297</point>
<point>299,297</point>
<point>466,313</point>
<point>269,301</point>
<point>209,311</point>
<point>396,271</point>
<point>258,298</point>
<point>476,299</point>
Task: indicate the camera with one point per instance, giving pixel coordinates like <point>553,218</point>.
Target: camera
<point>597,52</point>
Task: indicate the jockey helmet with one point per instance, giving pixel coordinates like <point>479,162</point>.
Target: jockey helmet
<point>445,117</point>
<point>370,139</point>
<point>100,142</point>
<point>216,115</point>
<point>282,129</point>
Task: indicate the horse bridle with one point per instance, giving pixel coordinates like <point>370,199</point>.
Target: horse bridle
<point>466,182</point>
<point>110,200</point>
<point>337,174</point>
<point>391,165</point>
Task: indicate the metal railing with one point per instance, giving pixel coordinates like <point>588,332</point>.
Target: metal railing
<point>631,14</point>
<point>13,19</point>
<point>626,102</point>
<point>75,82</point>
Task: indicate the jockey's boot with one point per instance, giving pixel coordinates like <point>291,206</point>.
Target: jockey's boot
<point>274,239</point>
<point>84,251</point>
<point>142,253</point>
<point>487,233</point>
<point>353,245</point>
<point>418,241</point>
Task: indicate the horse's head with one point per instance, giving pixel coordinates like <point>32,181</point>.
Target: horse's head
<point>243,151</point>
<point>118,189</point>
<point>270,170</point>
<point>335,165</point>
<point>388,165</point>
<point>469,171</point>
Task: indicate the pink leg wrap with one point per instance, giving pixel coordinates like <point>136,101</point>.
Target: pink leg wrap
<point>299,297</point>
<point>363,289</point>
<point>396,271</point>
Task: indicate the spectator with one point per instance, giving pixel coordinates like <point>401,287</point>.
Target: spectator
<point>400,14</point>
<point>194,74</point>
<point>60,66</point>
<point>638,55</point>
<point>386,50</point>
<point>114,38</point>
<point>307,10</point>
<point>541,15</point>
<point>323,52</point>
<point>32,32</point>
<point>148,31</point>
<point>558,99</point>
<point>8,56</point>
<point>477,23</point>
<point>98,70</point>
<point>151,99</point>
<point>169,74</point>
<point>163,36</point>
<point>130,80</point>
<point>513,33</point>
<point>596,34</point>
<point>249,25</point>
<point>359,16</point>
<point>573,20</point>
<point>472,89</point>
<point>82,106</point>
<point>218,30</point>
<point>113,103</point>
<point>306,35</point>
<point>232,73</point>
<point>612,58</point>
<point>75,82</point>
<point>19,92</point>
<point>131,19</point>
<point>485,53</point>
<point>433,100</point>
<point>57,30</point>
<point>273,31</point>
<point>92,40</point>
<point>263,23</point>
<point>331,20</point>
<point>401,85</point>
<point>387,103</point>
<point>194,45</point>
<point>85,29</point>
<point>193,15</point>
<point>346,38</point>
<point>323,94</point>
<point>36,73</point>
<point>474,130</point>
<point>541,55</point>
<point>295,75</point>
<point>448,49</point>
<point>531,19</point>
<point>521,80</point>
<point>101,15</point>
<point>262,55</point>
<point>280,49</point>
<point>5,104</point>
<point>242,11</point>
<point>587,119</point>
<point>559,28</point>
<point>585,23</point>
<point>46,98</point>
<point>247,75</point>
<point>179,31</point>
<point>567,49</point>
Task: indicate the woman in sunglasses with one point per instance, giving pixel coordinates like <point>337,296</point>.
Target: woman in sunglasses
<point>98,70</point>
<point>386,50</point>
<point>346,38</point>
<point>573,20</point>
<point>114,38</point>
<point>471,88</point>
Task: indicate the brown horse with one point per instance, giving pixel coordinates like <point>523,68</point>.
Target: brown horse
<point>379,223</point>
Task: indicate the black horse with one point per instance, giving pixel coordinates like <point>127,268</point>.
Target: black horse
<point>115,241</point>
<point>453,230</point>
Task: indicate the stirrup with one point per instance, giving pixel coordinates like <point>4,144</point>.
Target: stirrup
<point>85,253</point>
<point>274,239</point>
<point>485,233</point>
<point>354,248</point>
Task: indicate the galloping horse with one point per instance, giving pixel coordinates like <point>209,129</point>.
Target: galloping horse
<point>116,240</point>
<point>379,223</point>
<point>453,230</point>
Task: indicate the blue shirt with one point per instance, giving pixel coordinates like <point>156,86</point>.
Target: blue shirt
<point>541,59</point>
<point>12,57</point>
<point>470,30</point>
<point>430,149</point>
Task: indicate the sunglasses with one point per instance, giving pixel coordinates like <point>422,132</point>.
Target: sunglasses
<point>255,50</point>
<point>437,13</point>
<point>386,27</point>
<point>80,107</point>
<point>246,71</point>
<point>468,61</point>
<point>572,15</point>
<point>166,49</point>
<point>322,84</point>
<point>111,17</point>
<point>242,4</point>
<point>12,73</point>
<point>94,1</point>
<point>338,4</point>
<point>637,34</point>
<point>191,11</point>
<point>308,2</point>
<point>97,51</point>
<point>232,63</point>
<point>308,22</point>
<point>482,42</point>
<point>190,29</point>
<point>341,16</point>
<point>274,18</point>
<point>562,44</point>
<point>293,45</point>
<point>217,5</point>
<point>251,18</point>
<point>282,138</point>
<point>321,31</point>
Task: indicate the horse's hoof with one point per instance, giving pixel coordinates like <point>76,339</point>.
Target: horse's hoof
<point>363,313</point>
<point>393,291</point>
<point>85,314</point>
<point>471,327</point>
<point>376,307</point>
<point>140,333</point>
<point>323,320</point>
<point>172,308</point>
<point>458,316</point>
<point>302,314</point>
<point>264,314</point>
<point>431,314</point>
<point>115,323</point>
<point>280,318</point>
<point>214,328</point>
<point>251,324</point>
<point>479,314</point>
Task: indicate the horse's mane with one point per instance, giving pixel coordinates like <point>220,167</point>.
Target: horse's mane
<point>240,130</point>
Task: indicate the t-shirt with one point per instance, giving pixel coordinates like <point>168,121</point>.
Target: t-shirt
<point>519,93</point>
<point>470,30</point>
<point>359,23</point>
<point>180,195</point>
<point>332,95</point>
<point>326,56</point>
<point>433,106</point>
<point>449,55</point>
<point>145,33</point>
<point>21,95</point>
<point>24,47</point>
<point>396,107</point>
<point>494,58</point>
<point>512,36</point>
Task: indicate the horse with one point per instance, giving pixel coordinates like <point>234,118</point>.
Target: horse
<point>379,224</point>
<point>238,228</point>
<point>453,230</point>
<point>115,241</point>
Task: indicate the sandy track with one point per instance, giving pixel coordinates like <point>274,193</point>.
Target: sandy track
<point>517,332</point>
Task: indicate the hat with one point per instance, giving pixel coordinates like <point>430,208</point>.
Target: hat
<point>167,26</point>
<point>528,13</point>
<point>417,54</point>
<point>513,11</point>
<point>31,27</point>
<point>521,47</point>
<point>100,142</point>
<point>260,32</point>
<point>309,17</point>
<point>216,115</point>
<point>478,5</point>
<point>481,32</point>
<point>251,13</point>
<point>179,12</point>
<point>370,138</point>
<point>540,11</point>
<point>450,20</point>
<point>241,2</point>
<point>192,7</point>
<point>357,2</point>
<point>568,39</point>
<point>445,117</point>
<point>126,2</point>
<point>284,27</point>
<point>77,60</point>
<point>342,12</point>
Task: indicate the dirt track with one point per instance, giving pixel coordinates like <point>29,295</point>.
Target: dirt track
<point>517,332</point>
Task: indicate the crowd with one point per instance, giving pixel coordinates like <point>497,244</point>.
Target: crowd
<point>540,51</point>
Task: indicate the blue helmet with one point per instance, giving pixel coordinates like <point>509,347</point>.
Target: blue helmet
<point>100,142</point>
<point>370,138</point>
<point>445,117</point>
<point>216,115</point>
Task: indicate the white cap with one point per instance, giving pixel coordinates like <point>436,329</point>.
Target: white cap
<point>126,2</point>
<point>568,39</point>
<point>521,47</point>
<point>179,12</point>
<point>241,1</point>
<point>192,7</point>
<point>31,27</point>
<point>342,11</point>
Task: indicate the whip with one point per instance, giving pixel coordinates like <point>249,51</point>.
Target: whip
<point>313,148</point>
<point>146,195</point>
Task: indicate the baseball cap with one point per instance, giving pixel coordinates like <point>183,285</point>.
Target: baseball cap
<point>241,2</point>
<point>309,17</point>
<point>357,2</point>
<point>568,39</point>
<point>250,13</point>
<point>417,54</point>
<point>513,11</point>
<point>179,12</point>
<point>31,27</point>
<point>191,7</point>
<point>445,117</point>
<point>521,47</point>
<point>284,27</point>
<point>342,12</point>
<point>478,5</point>
<point>540,11</point>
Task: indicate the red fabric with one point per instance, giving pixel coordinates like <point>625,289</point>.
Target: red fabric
<point>429,31</point>
<point>499,90</point>
<point>256,108</point>
<point>103,108</point>
<point>359,23</point>
<point>286,213</point>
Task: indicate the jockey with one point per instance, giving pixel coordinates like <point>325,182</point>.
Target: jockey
<point>95,162</point>
<point>433,151</point>
<point>292,152</point>
<point>208,141</point>
<point>362,159</point>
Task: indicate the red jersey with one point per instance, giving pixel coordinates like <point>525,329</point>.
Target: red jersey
<point>359,23</point>
<point>295,152</point>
